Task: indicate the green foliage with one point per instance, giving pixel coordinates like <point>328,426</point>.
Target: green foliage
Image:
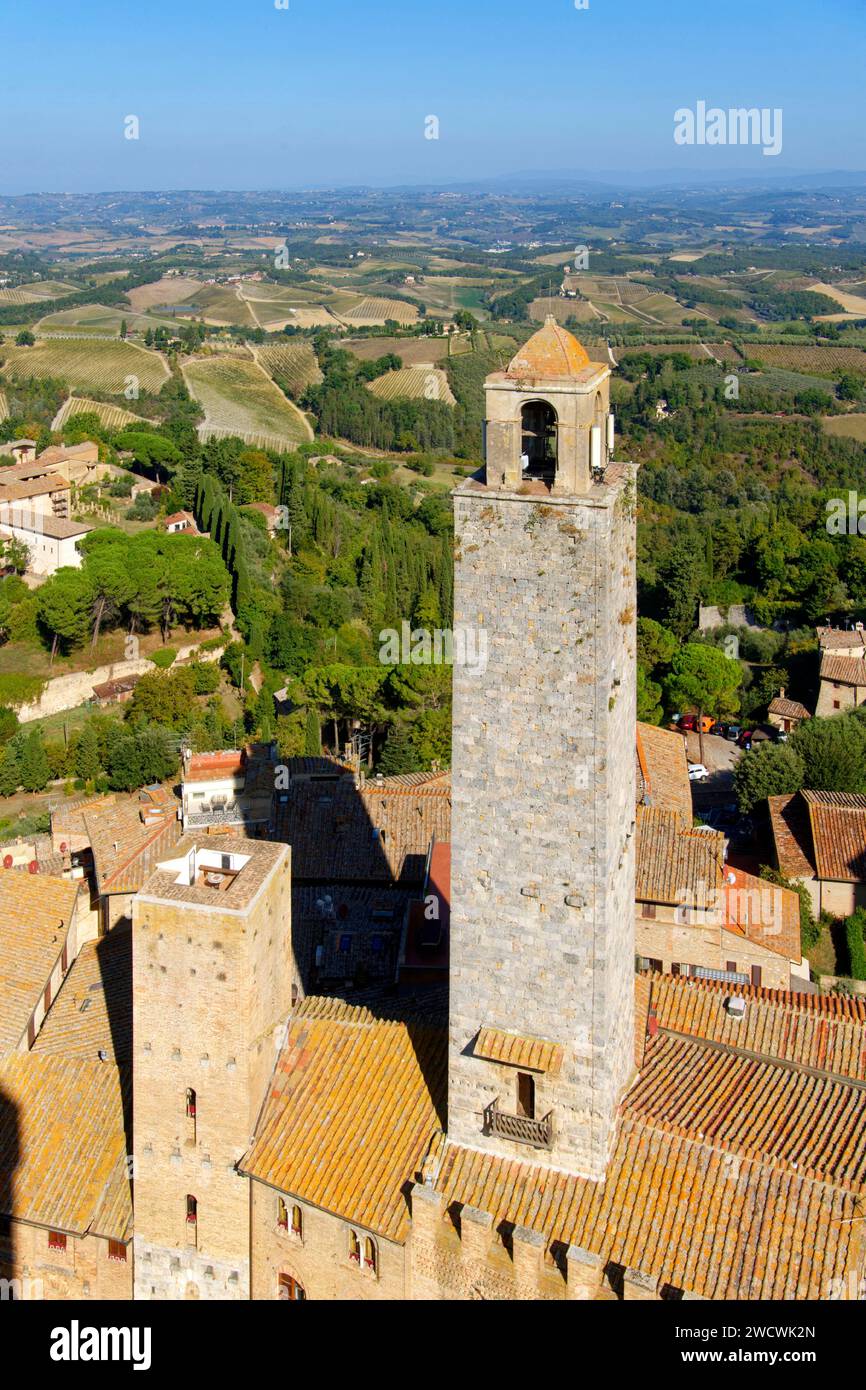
<point>702,678</point>
<point>137,759</point>
<point>833,753</point>
<point>165,657</point>
<point>855,925</point>
<point>33,767</point>
<point>769,769</point>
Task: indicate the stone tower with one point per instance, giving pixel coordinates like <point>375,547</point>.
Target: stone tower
<point>212,966</point>
<point>542,923</point>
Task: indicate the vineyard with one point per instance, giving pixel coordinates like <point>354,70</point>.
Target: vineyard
<point>113,417</point>
<point>89,365</point>
<point>4,407</point>
<point>33,293</point>
<point>368,313</point>
<point>816,361</point>
<point>414,383</point>
<point>294,365</point>
<point>239,398</point>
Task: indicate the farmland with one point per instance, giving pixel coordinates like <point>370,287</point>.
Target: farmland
<point>295,365</point>
<point>411,351</point>
<point>562,310</point>
<point>96,319</point>
<point>814,360</point>
<point>113,417</point>
<point>239,398</point>
<point>88,365</point>
<point>846,426</point>
<point>33,293</point>
<point>851,303</point>
<point>423,382</point>
<point>170,290</point>
<point>372,312</point>
<point>4,407</point>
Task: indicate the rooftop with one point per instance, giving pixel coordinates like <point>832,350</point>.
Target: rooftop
<point>56,528</point>
<point>93,1010</point>
<point>551,352</point>
<point>226,873</point>
<point>663,770</point>
<point>35,914</point>
<point>844,670</point>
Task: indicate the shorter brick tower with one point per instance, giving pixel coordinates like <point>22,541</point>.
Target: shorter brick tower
<point>212,970</point>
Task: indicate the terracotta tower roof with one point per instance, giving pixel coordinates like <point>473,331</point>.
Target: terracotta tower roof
<point>551,352</point>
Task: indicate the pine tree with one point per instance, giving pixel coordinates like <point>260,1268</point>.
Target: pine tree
<point>35,769</point>
<point>87,755</point>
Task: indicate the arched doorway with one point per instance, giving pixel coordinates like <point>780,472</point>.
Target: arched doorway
<point>538,442</point>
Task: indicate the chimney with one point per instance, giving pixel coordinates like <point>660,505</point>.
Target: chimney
<point>781,692</point>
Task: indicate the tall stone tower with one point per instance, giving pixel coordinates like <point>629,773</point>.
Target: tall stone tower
<point>212,965</point>
<point>542,923</point>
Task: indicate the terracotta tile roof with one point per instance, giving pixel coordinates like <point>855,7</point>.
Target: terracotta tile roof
<point>33,487</point>
<point>63,1145</point>
<point>805,1120</point>
<point>126,843</point>
<point>788,709</point>
<point>838,823</point>
<point>354,1105</point>
<point>551,352</point>
<point>663,770</point>
<point>667,1202</point>
<point>838,639</point>
<point>760,911</point>
<point>35,913</point>
<point>57,528</point>
<point>379,832</point>
<point>93,1010</point>
<point>261,858</point>
<point>845,670</point>
<point>535,1054</point>
<point>675,864</point>
<point>824,1031</point>
<point>792,836</point>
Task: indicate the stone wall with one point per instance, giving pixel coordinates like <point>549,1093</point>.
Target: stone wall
<point>82,1270</point>
<point>542,925</point>
<point>70,691</point>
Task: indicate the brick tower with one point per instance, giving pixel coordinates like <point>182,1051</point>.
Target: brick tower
<point>542,924</point>
<point>212,967</point>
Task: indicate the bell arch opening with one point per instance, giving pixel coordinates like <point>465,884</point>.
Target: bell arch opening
<point>539,440</point>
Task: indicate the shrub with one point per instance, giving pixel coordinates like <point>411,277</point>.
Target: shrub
<point>164,658</point>
<point>854,935</point>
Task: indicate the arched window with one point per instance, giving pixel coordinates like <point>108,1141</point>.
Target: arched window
<point>354,1248</point>
<point>297,1223</point>
<point>371,1258</point>
<point>282,1215</point>
<point>190,1104</point>
<point>538,440</point>
<point>191,1210</point>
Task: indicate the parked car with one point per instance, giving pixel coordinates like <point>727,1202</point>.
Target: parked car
<point>781,736</point>
<point>745,740</point>
<point>689,721</point>
<point>720,730</point>
<point>697,772</point>
<point>733,732</point>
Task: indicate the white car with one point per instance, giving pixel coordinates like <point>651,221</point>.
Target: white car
<point>697,772</point>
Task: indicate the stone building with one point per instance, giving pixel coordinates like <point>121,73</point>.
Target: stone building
<point>211,934</point>
<point>819,840</point>
<point>542,892</point>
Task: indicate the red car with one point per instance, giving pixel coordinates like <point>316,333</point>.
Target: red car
<point>745,739</point>
<point>689,721</point>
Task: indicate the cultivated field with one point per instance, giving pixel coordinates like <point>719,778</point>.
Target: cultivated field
<point>113,417</point>
<point>295,364</point>
<point>88,365</point>
<point>424,382</point>
<point>38,290</point>
<point>846,426</point>
<point>817,361</point>
<point>97,319</point>
<point>220,305</point>
<point>4,407</point>
<point>411,351</point>
<point>851,303</point>
<point>239,398</point>
<point>171,289</point>
<point>562,310</point>
<point>369,313</point>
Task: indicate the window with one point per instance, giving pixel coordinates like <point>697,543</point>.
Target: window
<point>190,1104</point>
<point>525,1095</point>
<point>282,1215</point>
<point>371,1258</point>
<point>117,1251</point>
<point>731,967</point>
<point>835,704</point>
<point>191,1211</point>
<point>297,1223</point>
<point>290,1290</point>
<point>756,976</point>
<point>648,910</point>
<point>56,1240</point>
<point>354,1248</point>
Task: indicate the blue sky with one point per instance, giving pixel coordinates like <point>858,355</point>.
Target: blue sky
<point>240,94</point>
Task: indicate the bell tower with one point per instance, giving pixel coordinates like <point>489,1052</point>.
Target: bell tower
<point>542,923</point>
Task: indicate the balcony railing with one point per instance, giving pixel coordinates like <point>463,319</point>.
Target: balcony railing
<point>538,1133</point>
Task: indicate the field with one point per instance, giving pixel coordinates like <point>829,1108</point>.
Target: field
<point>851,303</point>
<point>817,361</point>
<point>239,398</point>
<point>113,417</point>
<point>562,310</point>
<point>4,407</point>
<point>846,426</point>
<point>171,289</point>
<point>294,363</point>
<point>369,313</point>
<point>411,351</point>
<point>38,290</point>
<point>96,319</point>
<point>424,382</point>
<point>88,365</point>
<point>220,305</point>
